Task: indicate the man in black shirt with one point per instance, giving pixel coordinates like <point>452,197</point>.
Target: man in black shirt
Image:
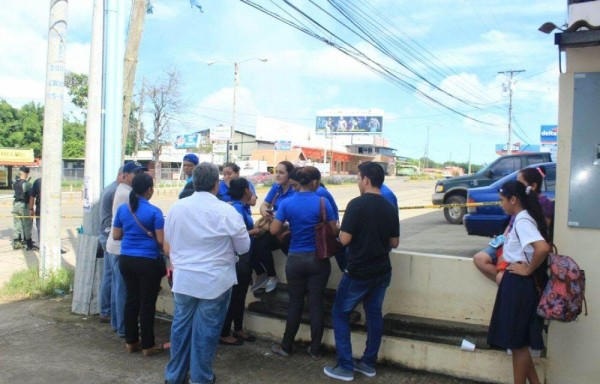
<point>370,228</point>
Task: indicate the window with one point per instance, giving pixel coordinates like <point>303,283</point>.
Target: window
<point>506,166</point>
<point>535,159</point>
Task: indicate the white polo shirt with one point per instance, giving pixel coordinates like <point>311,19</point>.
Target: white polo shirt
<point>121,197</point>
<point>204,233</point>
<point>517,246</point>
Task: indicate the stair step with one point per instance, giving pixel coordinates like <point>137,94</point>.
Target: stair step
<point>433,330</point>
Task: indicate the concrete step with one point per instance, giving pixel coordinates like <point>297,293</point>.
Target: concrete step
<point>276,304</point>
<point>433,330</point>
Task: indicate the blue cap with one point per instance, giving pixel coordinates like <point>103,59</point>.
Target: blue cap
<point>191,158</point>
<point>133,166</point>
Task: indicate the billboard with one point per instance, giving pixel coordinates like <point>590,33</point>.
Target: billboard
<point>517,148</point>
<point>283,145</point>
<point>549,134</point>
<point>220,133</point>
<point>349,122</point>
<point>187,141</point>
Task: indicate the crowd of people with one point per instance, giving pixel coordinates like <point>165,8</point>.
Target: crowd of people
<point>215,247</point>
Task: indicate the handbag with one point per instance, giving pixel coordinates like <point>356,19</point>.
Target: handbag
<point>264,222</point>
<point>327,242</point>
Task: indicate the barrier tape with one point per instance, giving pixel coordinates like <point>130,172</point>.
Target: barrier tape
<point>466,205</point>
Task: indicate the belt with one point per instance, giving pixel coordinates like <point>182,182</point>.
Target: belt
<point>19,201</point>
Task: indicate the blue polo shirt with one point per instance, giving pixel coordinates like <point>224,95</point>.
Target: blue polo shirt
<point>223,193</point>
<point>136,241</point>
<point>323,192</point>
<point>276,190</point>
<point>242,210</point>
<point>389,195</point>
<point>303,212</point>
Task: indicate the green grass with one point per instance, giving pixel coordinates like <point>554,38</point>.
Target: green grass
<point>28,284</point>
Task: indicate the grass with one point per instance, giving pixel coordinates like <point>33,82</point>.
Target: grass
<point>28,284</point>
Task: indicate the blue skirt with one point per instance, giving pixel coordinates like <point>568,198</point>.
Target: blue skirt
<point>515,323</point>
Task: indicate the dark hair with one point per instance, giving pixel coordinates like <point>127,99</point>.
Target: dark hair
<point>139,185</point>
<point>233,166</point>
<point>529,201</point>
<point>205,176</point>
<point>534,176</point>
<point>237,188</point>
<point>305,175</point>
<point>289,167</point>
<point>372,171</point>
<point>294,173</point>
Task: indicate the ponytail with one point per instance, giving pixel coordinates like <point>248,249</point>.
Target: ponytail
<point>529,201</point>
<point>133,201</point>
<point>139,185</point>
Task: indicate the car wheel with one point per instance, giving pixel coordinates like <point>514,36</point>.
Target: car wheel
<point>454,215</point>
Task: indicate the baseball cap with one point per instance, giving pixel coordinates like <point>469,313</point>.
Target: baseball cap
<point>133,166</point>
<point>191,158</point>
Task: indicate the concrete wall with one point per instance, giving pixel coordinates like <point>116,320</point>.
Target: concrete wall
<point>573,347</point>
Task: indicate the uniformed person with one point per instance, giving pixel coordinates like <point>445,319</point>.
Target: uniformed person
<point>22,223</point>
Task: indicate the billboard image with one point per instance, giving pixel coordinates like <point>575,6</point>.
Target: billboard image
<point>349,122</point>
<point>549,134</point>
<point>187,141</point>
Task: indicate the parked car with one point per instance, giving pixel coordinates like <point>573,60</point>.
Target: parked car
<point>490,220</point>
<point>261,177</point>
<point>454,189</point>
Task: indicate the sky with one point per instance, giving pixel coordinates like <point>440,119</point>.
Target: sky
<point>462,44</point>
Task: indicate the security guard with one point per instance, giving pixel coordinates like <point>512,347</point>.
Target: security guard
<point>22,224</point>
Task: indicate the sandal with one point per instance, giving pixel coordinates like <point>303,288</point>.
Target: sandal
<point>278,350</point>
<point>248,338</point>
<point>235,343</point>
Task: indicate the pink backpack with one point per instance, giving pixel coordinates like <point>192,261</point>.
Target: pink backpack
<point>564,295</point>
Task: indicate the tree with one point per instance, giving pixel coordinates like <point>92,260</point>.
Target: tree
<point>73,139</point>
<point>78,88</point>
<point>165,103</point>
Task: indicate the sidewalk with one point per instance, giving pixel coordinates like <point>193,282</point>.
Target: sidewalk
<point>41,341</point>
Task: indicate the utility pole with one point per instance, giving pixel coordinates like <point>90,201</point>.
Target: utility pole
<point>138,129</point>
<point>510,91</point>
<point>53,137</point>
<point>136,28</point>
<point>426,154</point>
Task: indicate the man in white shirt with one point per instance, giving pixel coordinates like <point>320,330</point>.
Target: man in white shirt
<point>202,236</point>
<point>118,291</point>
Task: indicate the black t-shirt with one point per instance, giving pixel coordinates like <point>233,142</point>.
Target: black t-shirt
<point>372,221</point>
<point>36,193</point>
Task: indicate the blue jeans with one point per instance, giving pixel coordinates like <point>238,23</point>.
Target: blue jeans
<point>349,293</point>
<point>195,334</point>
<point>106,282</point>
<point>118,295</point>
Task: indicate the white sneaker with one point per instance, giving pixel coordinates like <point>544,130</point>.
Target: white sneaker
<point>271,284</point>
<point>261,281</point>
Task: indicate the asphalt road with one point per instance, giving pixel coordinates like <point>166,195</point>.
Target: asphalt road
<point>422,230</point>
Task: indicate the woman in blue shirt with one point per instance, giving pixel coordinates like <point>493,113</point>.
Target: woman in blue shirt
<point>241,195</point>
<point>231,171</point>
<point>305,273</point>
<point>139,226</point>
<point>263,264</point>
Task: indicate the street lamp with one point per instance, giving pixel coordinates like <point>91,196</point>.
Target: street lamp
<point>236,80</point>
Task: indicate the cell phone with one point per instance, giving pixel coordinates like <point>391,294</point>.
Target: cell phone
<point>497,241</point>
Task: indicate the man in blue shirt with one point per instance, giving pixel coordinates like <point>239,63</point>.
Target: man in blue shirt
<point>190,160</point>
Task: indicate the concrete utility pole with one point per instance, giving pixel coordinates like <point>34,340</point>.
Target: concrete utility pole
<point>138,129</point>
<point>510,89</point>
<point>136,28</point>
<point>93,134</point>
<point>52,139</point>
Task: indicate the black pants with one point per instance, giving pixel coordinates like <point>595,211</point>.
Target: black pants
<point>237,303</point>
<point>142,278</point>
<point>305,275</point>
<point>262,254</point>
